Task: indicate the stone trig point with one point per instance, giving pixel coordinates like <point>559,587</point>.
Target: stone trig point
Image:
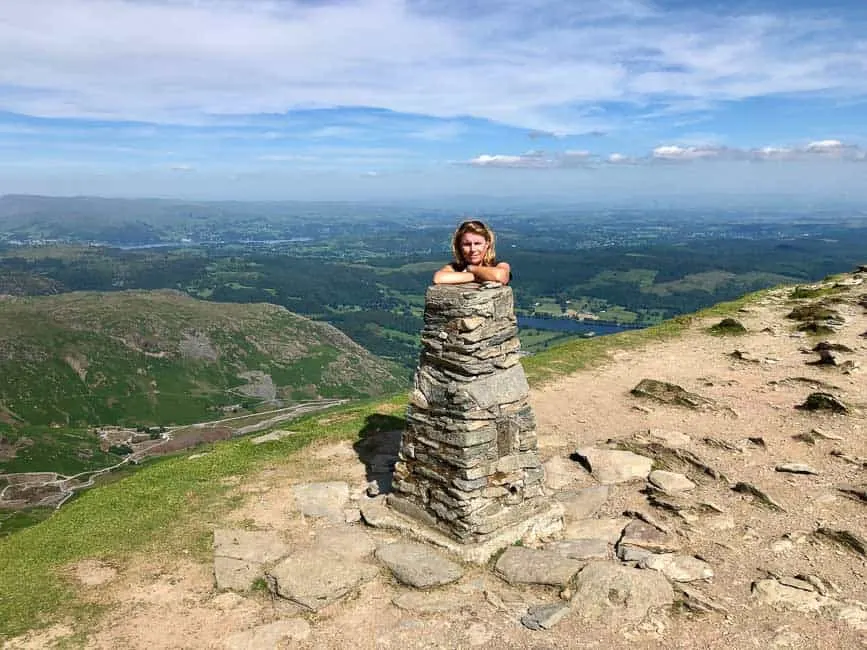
<point>469,475</point>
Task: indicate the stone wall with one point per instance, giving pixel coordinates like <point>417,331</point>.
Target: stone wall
<point>468,462</point>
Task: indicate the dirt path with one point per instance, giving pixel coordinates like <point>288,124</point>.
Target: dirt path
<point>175,605</point>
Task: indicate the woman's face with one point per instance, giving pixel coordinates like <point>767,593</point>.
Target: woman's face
<point>473,248</point>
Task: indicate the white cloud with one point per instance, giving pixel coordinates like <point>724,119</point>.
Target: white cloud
<point>534,159</point>
<point>538,65</point>
<point>620,159</point>
<point>774,153</point>
<point>526,161</point>
<point>673,153</point>
<point>825,145</point>
<point>834,149</point>
<point>829,149</point>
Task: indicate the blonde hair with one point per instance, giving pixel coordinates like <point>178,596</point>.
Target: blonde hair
<point>476,228</point>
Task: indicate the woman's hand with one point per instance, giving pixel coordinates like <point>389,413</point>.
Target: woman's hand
<point>448,275</point>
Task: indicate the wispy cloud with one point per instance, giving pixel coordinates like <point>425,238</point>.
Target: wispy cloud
<point>673,153</point>
<point>533,160</point>
<point>539,65</point>
<point>822,149</point>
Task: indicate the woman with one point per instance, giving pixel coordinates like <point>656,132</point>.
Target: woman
<point>475,257</point>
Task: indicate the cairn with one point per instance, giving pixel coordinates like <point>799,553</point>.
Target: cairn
<point>469,466</point>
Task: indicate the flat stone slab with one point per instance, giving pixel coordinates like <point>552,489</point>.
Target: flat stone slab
<point>680,568</point>
<point>418,565</point>
<point>347,541</point>
<point>521,565</point>
<point>240,554</point>
<point>251,545</point>
<point>770,592</point>
<point>560,472</point>
<point>504,387</point>
<point>582,504</point>
<point>325,500</point>
<point>854,616</point>
<point>643,535</point>
<point>270,635</point>
<point>796,468</point>
<point>613,465</point>
<point>608,589</point>
<point>544,617</point>
<point>609,529</point>
<point>319,577</point>
<point>433,602</point>
<point>670,481</point>
<point>627,553</point>
<point>238,575</point>
<point>667,437</point>
<point>696,601</point>
<point>378,514</point>
<point>581,549</point>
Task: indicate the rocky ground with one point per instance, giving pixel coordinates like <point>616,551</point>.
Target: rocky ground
<point>720,504</point>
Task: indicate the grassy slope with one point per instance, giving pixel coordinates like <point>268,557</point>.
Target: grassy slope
<point>171,504</point>
<point>161,357</point>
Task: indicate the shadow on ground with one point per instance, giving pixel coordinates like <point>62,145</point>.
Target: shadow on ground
<point>377,447</point>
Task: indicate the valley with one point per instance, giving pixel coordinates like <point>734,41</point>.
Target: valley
<point>223,318</point>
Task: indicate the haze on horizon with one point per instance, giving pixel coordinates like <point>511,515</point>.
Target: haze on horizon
<point>415,100</point>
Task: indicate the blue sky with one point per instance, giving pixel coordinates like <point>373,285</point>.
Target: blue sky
<point>418,99</point>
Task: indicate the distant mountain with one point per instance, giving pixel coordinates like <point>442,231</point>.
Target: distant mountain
<point>162,357</point>
<point>150,221</point>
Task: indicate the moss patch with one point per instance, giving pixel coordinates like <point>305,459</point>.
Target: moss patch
<point>728,327</point>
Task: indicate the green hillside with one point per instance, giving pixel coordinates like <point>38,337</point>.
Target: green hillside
<point>190,496</point>
<point>160,358</point>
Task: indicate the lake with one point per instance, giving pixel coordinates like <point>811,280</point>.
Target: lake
<point>573,326</point>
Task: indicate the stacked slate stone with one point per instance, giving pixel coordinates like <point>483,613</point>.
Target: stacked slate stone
<point>468,463</point>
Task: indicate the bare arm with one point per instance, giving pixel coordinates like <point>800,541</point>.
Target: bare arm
<point>499,273</point>
<point>447,274</point>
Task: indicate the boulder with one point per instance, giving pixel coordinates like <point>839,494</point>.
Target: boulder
<point>671,394</point>
<point>614,466</point>
<point>605,589</point>
<point>670,481</point>
<point>680,568</point>
<point>643,535</point>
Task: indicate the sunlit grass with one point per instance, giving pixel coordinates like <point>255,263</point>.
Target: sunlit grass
<point>170,505</point>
